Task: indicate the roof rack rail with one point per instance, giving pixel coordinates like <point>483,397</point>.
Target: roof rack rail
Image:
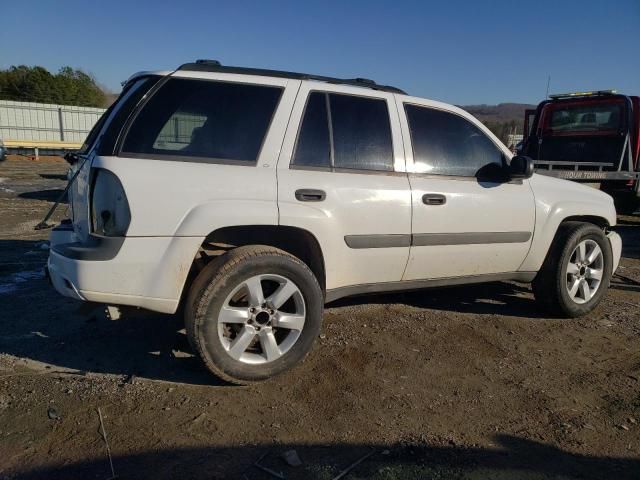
<point>593,93</point>
<point>215,66</point>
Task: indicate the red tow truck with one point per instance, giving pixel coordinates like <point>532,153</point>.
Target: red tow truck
<point>589,137</point>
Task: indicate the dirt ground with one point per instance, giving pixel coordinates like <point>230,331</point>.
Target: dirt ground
<point>465,383</point>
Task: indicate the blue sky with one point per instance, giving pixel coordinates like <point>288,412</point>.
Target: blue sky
<point>463,52</point>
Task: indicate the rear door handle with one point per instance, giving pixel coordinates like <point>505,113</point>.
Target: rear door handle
<point>310,195</point>
<point>434,199</point>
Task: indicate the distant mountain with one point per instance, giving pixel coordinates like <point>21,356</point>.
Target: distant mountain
<point>501,113</point>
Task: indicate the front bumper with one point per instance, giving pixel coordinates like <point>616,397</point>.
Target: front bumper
<point>616,249</point>
<point>146,272</point>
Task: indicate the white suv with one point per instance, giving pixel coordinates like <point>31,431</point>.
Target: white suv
<point>253,197</point>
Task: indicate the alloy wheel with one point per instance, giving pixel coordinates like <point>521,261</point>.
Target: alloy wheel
<point>584,271</point>
<point>261,319</point>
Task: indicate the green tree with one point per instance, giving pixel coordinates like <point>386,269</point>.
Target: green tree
<point>36,84</point>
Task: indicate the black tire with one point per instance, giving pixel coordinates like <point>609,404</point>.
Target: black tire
<point>218,280</point>
<point>549,286</point>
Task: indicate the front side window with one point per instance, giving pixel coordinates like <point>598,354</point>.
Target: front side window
<point>204,119</point>
<point>345,131</point>
<point>448,144</point>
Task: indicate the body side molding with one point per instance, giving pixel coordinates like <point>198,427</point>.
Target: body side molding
<point>471,238</point>
<point>428,239</point>
<point>378,241</point>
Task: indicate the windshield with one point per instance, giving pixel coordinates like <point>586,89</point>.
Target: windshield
<point>585,117</point>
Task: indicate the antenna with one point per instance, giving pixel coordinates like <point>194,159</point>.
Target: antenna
<point>548,83</point>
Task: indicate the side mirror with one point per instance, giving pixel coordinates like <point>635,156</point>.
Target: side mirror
<point>520,167</point>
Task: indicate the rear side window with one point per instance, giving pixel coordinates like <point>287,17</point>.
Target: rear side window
<point>198,119</point>
<point>345,131</point>
<point>313,148</point>
<point>448,144</point>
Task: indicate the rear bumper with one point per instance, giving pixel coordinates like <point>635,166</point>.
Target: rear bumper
<point>146,272</point>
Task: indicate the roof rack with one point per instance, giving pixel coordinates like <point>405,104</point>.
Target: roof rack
<point>216,66</point>
<point>594,93</point>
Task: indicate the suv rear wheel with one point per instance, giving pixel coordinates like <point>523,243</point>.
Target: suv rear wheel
<point>577,271</point>
<point>253,313</point>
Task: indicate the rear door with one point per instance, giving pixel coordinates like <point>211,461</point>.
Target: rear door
<point>342,177</point>
<point>466,220</point>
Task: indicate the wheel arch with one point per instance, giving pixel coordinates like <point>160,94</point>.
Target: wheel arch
<point>546,232</point>
<point>294,240</point>
<point>599,221</point>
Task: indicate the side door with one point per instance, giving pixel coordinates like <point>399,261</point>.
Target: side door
<point>342,177</point>
<point>468,220</point>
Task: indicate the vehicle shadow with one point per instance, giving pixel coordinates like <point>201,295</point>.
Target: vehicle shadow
<point>622,282</point>
<point>514,458</point>
<point>49,195</point>
<point>53,176</point>
<point>498,298</point>
<point>38,324</point>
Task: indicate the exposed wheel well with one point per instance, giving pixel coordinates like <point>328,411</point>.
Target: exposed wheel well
<point>296,241</point>
<point>599,221</point>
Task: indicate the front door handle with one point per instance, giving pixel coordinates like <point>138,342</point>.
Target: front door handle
<point>310,195</point>
<point>434,199</point>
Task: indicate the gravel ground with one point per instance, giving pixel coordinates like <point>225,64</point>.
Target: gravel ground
<point>466,383</point>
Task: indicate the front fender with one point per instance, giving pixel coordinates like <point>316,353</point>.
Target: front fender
<point>549,216</point>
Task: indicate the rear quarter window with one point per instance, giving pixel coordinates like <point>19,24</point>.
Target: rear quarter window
<point>200,120</point>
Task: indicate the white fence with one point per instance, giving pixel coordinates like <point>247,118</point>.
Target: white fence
<point>29,123</point>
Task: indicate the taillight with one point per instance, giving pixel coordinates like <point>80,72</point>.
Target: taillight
<point>110,215</point>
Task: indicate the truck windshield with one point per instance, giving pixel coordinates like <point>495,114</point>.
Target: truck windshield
<point>586,117</point>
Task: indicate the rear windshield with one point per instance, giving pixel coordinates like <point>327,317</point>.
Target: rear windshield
<point>567,118</point>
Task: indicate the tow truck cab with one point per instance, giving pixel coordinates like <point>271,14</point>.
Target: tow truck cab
<point>588,137</point>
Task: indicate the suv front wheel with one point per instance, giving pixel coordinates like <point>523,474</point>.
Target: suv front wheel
<point>576,273</point>
<point>253,313</point>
